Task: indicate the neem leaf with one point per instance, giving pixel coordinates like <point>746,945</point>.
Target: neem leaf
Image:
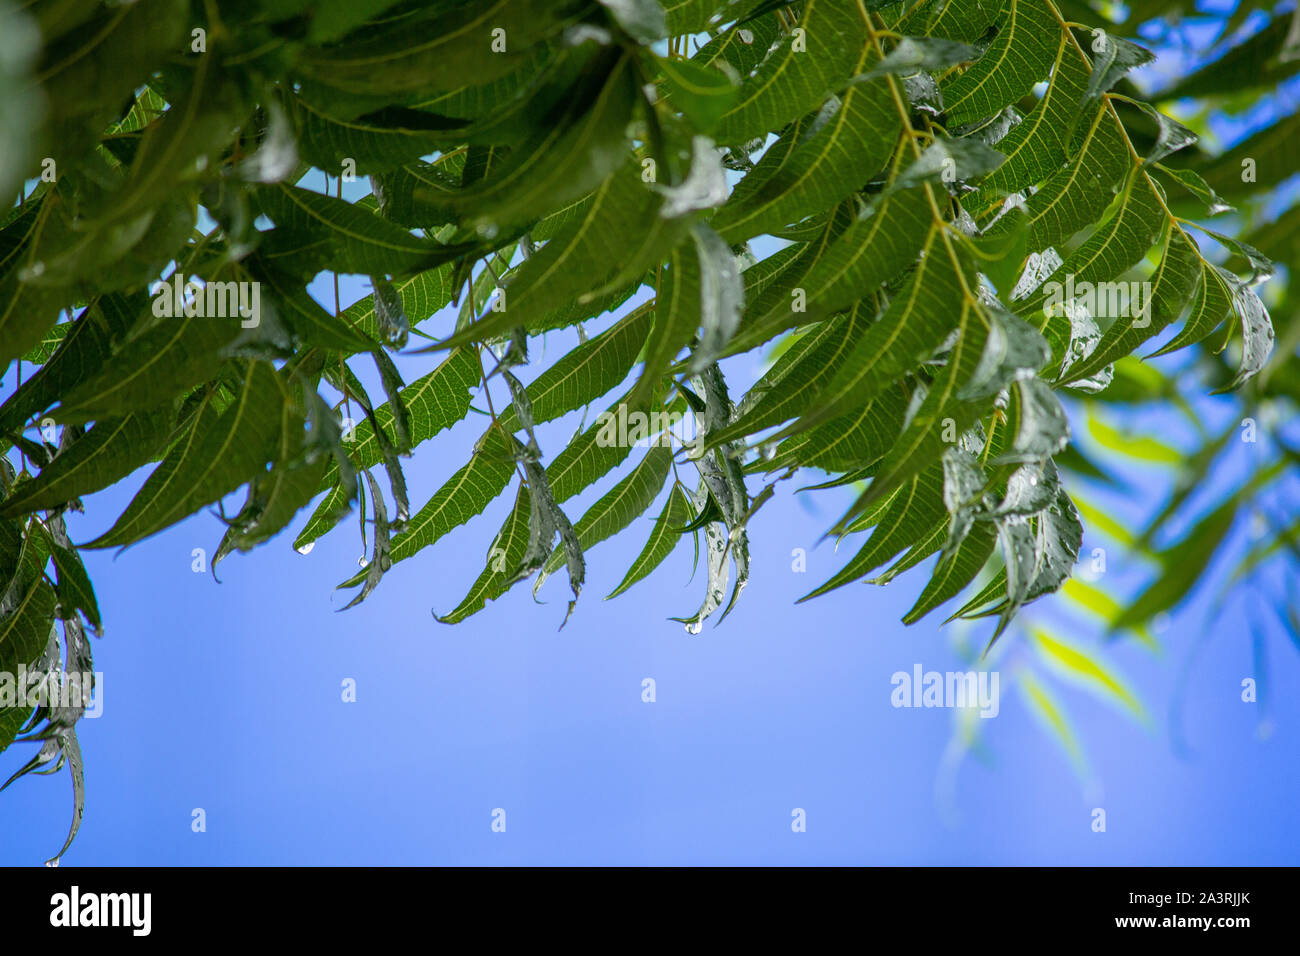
<point>703,92</point>
<point>109,451</point>
<point>644,20</point>
<point>217,454</point>
<point>664,537</point>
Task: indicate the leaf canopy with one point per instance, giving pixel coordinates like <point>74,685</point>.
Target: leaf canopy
<point>887,195</point>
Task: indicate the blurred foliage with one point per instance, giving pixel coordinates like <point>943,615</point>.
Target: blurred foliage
<point>1228,527</point>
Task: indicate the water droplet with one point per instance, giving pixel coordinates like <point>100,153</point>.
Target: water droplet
<point>306,548</point>
<point>694,627</point>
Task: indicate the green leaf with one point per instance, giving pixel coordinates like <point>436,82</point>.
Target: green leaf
<point>272,503</point>
<point>955,571</point>
<point>204,106</point>
<point>1198,187</point>
<point>345,237</point>
<point>573,154</point>
<point>912,510</point>
<point>374,142</point>
<point>1087,670</point>
<point>332,19</point>
<point>1119,244</point>
<point>21,107</point>
<point>1182,565</point>
<point>81,353</point>
<point>1179,270</point>
<point>702,92</point>
<point>26,313</point>
<point>111,450</point>
<point>26,616</point>
<point>719,569</point>
<point>950,160</point>
<point>802,373</point>
<point>1020,55</point>
<point>676,316</point>
<point>74,590</point>
<point>422,295</point>
<point>433,402</point>
<point>743,45</point>
<point>434,48</point>
<point>816,163</point>
<point>982,360</point>
<point>214,457</point>
<point>1254,64</point>
<point>505,554</point>
<point>1115,57</point>
<point>914,54</point>
<point>712,281</point>
<point>692,16</point>
<point>332,509</point>
<point>309,322</point>
<point>966,20</point>
<point>589,455</point>
<point>841,268</point>
<point>102,64</point>
<point>1073,196</point>
<point>1036,147</point>
<point>510,108</point>
<point>915,323</point>
<point>160,361</point>
<point>618,507</point>
<point>619,235</point>
<point>587,372</point>
<point>854,441</point>
<point>816,59</point>
<point>643,20</point>
<point>1212,302</point>
<point>1256,334</point>
<point>380,559</point>
<point>1171,135</point>
<point>664,537</point>
<point>275,497</point>
<point>464,495</point>
<point>545,521</point>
